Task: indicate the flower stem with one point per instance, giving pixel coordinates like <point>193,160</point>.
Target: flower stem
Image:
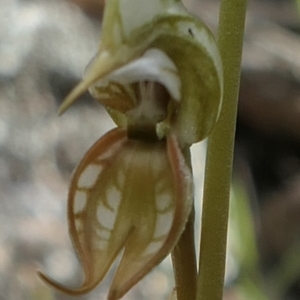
<point>184,256</point>
<point>184,263</point>
<point>220,156</point>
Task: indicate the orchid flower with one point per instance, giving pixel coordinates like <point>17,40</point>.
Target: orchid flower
<point>159,75</point>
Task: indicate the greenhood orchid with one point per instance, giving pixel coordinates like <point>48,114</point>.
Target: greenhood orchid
<point>159,75</point>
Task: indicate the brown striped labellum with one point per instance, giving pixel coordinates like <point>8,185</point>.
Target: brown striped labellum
<point>128,194</point>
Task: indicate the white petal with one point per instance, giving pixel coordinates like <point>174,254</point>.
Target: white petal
<point>154,66</point>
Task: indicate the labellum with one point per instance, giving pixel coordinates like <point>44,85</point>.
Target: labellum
<point>159,75</point>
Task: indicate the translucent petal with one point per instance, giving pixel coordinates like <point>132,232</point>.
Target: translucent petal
<point>140,201</point>
<point>149,244</point>
<point>123,17</point>
<point>153,65</point>
<point>96,235</point>
<point>102,65</point>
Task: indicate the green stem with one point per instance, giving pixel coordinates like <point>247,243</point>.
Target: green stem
<point>184,257</point>
<point>184,263</point>
<point>220,155</point>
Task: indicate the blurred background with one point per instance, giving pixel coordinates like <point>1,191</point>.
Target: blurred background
<point>45,46</point>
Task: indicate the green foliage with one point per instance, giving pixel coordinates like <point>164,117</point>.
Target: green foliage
<point>242,245</point>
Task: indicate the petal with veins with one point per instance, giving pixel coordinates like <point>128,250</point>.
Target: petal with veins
<point>154,66</point>
<point>168,47</point>
<point>125,214</point>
